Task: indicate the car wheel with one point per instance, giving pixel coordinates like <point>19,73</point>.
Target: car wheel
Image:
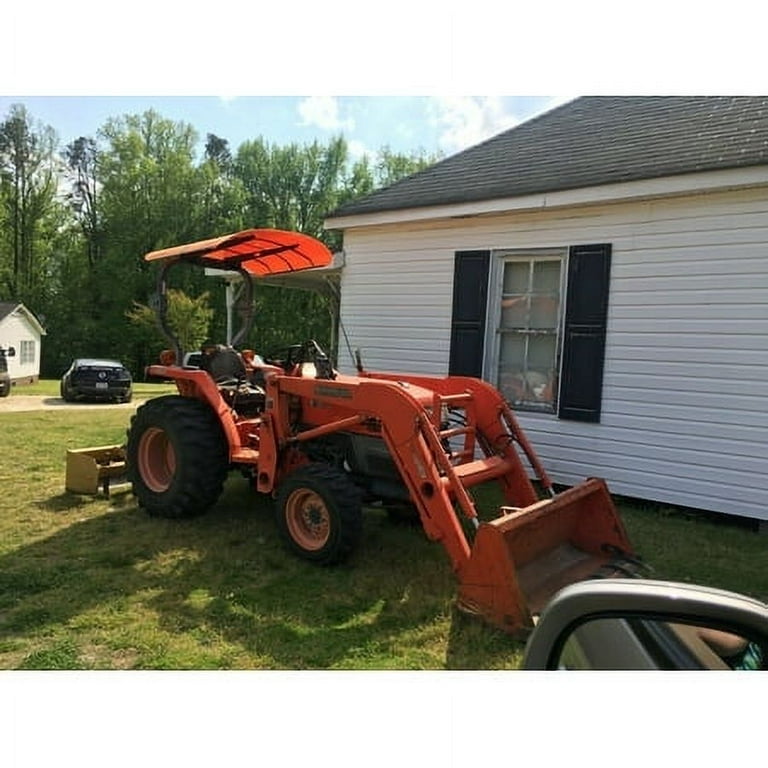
<point>66,393</point>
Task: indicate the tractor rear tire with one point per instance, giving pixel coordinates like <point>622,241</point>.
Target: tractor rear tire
<point>319,513</point>
<point>177,457</point>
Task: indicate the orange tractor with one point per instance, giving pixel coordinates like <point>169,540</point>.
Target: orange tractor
<point>324,445</point>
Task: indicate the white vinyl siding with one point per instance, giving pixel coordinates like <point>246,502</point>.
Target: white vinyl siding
<point>686,365</point>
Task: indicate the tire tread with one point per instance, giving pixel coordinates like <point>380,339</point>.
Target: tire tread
<point>201,455</point>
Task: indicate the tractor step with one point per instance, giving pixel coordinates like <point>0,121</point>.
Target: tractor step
<point>481,470</point>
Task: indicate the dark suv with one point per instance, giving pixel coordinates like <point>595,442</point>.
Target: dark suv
<point>5,379</point>
<point>96,379</point>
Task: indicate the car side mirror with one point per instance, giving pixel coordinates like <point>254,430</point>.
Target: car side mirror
<point>631,624</point>
<point>10,352</point>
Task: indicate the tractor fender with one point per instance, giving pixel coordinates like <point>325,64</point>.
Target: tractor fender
<point>199,385</point>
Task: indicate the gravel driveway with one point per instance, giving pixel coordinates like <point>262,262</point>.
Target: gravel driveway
<point>15,403</point>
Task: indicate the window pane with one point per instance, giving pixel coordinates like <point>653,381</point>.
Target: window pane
<point>545,303</point>
<point>512,367</point>
<point>546,277</point>
<point>512,352</point>
<point>544,311</point>
<point>514,311</point>
<point>541,353</point>
<point>516,276</point>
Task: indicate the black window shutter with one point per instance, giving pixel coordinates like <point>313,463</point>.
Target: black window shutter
<point>470,301</point>
<point>586,316</point>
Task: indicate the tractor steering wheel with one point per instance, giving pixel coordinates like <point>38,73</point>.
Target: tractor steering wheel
<point>296,355</point>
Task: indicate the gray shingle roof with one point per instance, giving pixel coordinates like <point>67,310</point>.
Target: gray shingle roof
<point>590,141</point>
<point>6,307</point>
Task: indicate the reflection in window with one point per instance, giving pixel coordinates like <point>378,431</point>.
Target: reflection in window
<point>636,643</point>
<point>738,652</point>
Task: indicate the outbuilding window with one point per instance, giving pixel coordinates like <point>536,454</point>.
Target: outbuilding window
<point>525,325</point>
<point>533,323</point>
<point>26,352</point>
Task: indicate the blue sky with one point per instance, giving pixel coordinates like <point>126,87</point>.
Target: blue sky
<point>444,124</point>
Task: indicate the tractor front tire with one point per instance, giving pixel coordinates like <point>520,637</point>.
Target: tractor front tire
<point>177,457</point>
<point>319,513</point>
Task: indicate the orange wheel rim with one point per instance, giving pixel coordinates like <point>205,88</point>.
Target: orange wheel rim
<point>308,519</point>
<point>156,459</point>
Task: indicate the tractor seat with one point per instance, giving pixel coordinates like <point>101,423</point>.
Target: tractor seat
<point>224,365</point>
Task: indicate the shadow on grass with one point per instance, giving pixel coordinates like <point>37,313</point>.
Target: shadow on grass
<point>225,577</point>
<point>64,502</point>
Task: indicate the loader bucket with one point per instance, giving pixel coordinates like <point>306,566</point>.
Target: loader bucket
<point>520,559</point>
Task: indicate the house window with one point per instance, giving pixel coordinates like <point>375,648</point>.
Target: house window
<point>27,352</point>
<point>527,328</point>
<point>534,323</point>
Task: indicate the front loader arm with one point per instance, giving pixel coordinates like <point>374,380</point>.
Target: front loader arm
<point>495,420</point>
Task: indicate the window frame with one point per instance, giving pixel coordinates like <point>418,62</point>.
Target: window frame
<point>24,355</point>
<point>493,332</point>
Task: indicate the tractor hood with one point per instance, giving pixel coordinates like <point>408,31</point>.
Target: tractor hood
<point>260,252</point>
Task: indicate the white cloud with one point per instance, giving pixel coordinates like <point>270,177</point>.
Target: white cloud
<point>463,121</point>
<point>323,111</point>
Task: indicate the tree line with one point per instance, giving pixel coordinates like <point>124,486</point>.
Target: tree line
<point>76,220</point>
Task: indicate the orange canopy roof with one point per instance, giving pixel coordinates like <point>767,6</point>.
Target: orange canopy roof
<point>259,251</point>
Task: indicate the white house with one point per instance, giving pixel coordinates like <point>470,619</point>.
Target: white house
<point>606,266</point>
<point>20,329</point>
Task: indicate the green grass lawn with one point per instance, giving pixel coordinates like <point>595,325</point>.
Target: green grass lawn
<point>89,582</point>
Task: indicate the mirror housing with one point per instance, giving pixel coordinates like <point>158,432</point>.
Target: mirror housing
<point>609,611</point>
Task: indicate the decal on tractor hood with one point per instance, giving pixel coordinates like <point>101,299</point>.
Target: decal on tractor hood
<point>323,390</point>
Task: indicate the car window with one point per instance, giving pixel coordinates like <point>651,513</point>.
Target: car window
<point>193,359</point>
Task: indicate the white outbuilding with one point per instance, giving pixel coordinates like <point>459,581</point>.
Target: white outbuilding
<point>20,329</point>
<point>605,264</point>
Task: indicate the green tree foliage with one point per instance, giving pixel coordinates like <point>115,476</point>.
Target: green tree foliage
<point>392,167</point>
<point>291,187</point>
<point>75,223</point>
<point>189,319</point>
<point>28,186</point>
<point>149,188</point>
<point>83,196</point>
<point>386,168</point>
<point>149,181</point>
<point>222,206</point>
